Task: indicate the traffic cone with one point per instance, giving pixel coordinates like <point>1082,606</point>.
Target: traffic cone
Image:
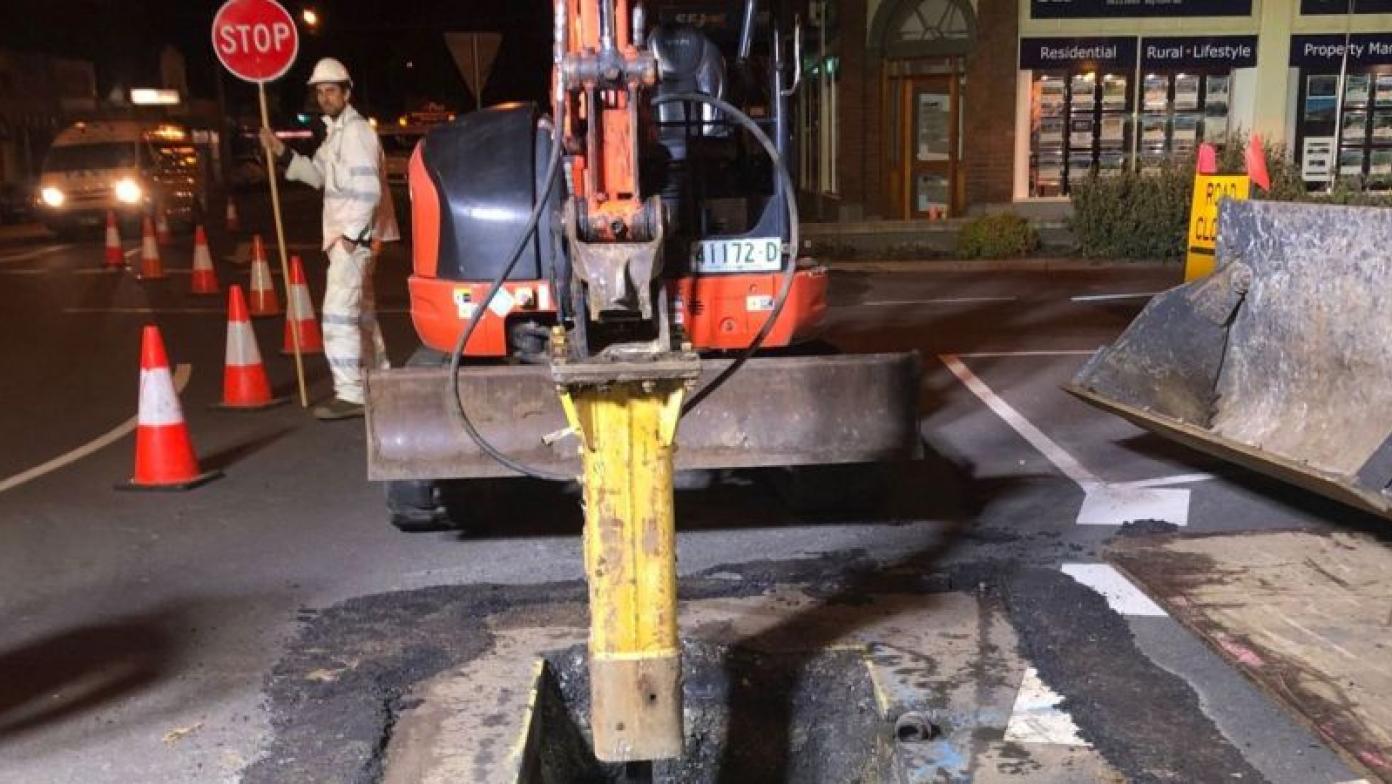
<point>204,280</point>
<point>264,301</point>
<point>164,457</point>
<point>115,255</point>
<point>151,268</point>
<point>234,223</point>
<point>258,250</point>
<point>301,314</point>
<point>244,383</point>
<point>162,232</point>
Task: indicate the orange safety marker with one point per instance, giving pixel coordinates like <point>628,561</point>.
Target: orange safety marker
<point>164,456</point>
<point>162,232</point>
<point>244,383</point>
<point>300,315</point>
<point>151,268</point>
<point>234,222</point>
<point>204,279</point>
<point>264,301</point>
<point>115,256</point>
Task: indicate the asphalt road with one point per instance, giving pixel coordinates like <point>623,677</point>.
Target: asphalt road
<point>139,630</point>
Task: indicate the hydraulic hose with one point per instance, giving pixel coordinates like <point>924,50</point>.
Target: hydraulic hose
<point>552,170</point>
<point>789,274</point>
<point>552,167</point>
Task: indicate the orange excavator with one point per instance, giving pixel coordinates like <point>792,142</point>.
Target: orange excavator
<point>650,211</point>
<point>612,291</point>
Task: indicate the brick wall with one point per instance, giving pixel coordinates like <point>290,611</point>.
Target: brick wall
<point>859,115</point>
<point>988,122</point>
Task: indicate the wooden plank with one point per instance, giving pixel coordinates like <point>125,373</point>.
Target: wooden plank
<point>1308,617</point>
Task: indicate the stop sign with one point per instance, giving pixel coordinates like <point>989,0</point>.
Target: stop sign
<point>255,39</point>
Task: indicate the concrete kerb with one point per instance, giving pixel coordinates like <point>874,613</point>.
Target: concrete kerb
<point>950,659</point>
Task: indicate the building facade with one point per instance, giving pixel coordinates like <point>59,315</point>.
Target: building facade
<point>922,109</point>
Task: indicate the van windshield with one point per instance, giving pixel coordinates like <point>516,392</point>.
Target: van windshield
<point>79,157</point>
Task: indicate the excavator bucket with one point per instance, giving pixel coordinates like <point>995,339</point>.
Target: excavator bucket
<point>1281,360</point>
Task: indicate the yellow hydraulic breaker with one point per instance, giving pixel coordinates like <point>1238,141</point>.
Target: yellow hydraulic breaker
<point>625,415</point>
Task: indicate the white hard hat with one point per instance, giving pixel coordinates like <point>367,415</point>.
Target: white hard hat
<point>329,70</point>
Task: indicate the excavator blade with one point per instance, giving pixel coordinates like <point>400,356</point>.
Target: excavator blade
<point>775,411</point>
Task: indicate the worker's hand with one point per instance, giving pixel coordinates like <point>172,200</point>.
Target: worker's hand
<point>269,140</point>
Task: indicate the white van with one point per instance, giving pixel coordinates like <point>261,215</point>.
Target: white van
<point>133,167</point>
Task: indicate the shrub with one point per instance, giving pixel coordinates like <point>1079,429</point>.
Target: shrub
<point>1003,235</point>
<point>1134,216</point>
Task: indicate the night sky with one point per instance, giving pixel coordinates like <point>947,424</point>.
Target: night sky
<point>377,39</point>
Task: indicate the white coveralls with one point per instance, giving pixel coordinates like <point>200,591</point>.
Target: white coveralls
<point>349,168</point>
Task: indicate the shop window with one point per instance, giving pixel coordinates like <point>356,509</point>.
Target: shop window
<point>829,142</point>
<point>1181,110</point>
<point>819,124</point>
<point>1080,125</point>
<point>1364,126</point>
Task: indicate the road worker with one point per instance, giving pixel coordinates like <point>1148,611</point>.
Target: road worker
<point>358,216</point>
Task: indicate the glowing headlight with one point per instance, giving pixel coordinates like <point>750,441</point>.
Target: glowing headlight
<point>127,191</point>
<point>52,197</point>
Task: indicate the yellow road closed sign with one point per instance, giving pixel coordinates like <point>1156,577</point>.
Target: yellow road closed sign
<point>1209,190</point>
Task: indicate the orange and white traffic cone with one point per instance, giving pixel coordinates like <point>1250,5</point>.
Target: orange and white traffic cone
<point>244,383</point>
<point>204,279</point>
<point>162,232</point>
<point>164,456</point>
<point>234,223</point>
<point>300,316</point>
<point>264,301</point>
<point>151,268</point>
<point>115,256</point>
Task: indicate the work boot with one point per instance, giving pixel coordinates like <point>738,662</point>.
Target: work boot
<point>338,409</point>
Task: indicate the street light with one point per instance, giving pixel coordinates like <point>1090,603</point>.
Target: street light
<point>310,17</point>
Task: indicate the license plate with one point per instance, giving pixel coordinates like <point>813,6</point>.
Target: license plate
<point>760,254</point>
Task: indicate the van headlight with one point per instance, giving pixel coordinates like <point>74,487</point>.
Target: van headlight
<point>52,196</point>
<point>128,191</point>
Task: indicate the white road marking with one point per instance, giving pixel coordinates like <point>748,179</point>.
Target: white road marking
<point>1168,481</point>
<point>1055,454</point>
<point>132,253</point>
<point>880,303</point>
<point>1037,717</point>
<point>182,374</point>
<point>1103,503</point>
<point>1121,594</point>
<point>1040,353</point>
<point>1108,504</point>
<point>32,254</point>
<point>25,272</point>
<point>1110,297</point>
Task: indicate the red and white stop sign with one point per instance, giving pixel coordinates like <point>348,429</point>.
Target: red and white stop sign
<point>255,39</point>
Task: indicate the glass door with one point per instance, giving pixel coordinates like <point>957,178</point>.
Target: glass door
<point>930,112</point>
<point>922,149</point>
